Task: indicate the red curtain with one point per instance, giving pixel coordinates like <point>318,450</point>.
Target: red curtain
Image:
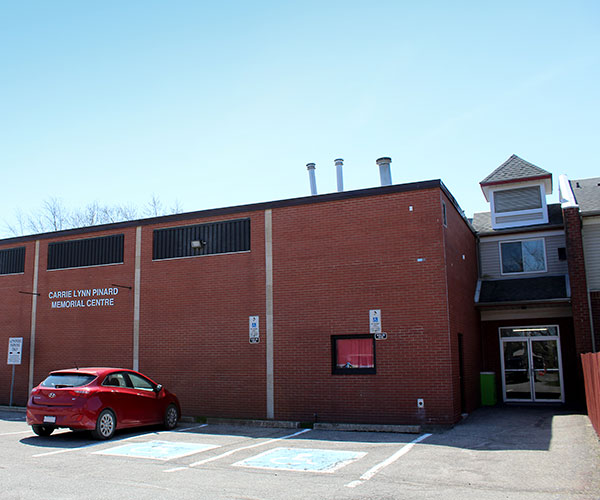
<point>354,353</point>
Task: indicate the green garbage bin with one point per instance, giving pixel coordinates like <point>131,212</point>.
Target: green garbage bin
<point>488,388</point>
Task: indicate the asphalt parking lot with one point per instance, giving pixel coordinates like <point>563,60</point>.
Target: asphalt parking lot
<point>496,453</point>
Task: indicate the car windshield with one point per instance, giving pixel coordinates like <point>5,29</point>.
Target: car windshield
<point>58,380</point>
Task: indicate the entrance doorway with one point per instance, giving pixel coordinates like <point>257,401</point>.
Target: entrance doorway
<point>531,364</point>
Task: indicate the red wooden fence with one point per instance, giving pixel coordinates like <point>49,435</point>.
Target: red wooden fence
<point>591,374</point>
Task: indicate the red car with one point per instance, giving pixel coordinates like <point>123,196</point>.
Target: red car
<point>101,400</point>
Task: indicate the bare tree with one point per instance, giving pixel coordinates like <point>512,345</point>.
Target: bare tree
<point>154,208</point>
<point>176,208</point>
<point>54,216</point>
<point>18,227</point>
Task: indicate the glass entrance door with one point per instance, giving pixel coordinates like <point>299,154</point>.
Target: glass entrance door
<point>531,367</point>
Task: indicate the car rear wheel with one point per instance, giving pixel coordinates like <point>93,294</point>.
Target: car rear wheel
<point>42,430</point>
<point>171,417</point>
<point>106,425</point>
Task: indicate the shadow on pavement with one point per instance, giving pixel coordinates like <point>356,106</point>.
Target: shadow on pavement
<point>503,428</point>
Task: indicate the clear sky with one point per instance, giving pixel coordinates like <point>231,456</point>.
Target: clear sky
<point>214,104</point>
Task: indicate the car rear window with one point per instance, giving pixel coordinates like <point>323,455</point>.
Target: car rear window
<point>59,380</point>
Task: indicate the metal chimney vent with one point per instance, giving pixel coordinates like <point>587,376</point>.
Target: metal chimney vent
<point>384,170</point>
<point>311,175</point>
<point>339,163</point>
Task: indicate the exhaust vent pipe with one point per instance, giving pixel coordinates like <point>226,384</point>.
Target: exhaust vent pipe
<point>313,180</point>
<point>339,163</point>
<point>384,170</point>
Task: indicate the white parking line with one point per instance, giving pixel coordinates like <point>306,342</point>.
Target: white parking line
<point>13,433</point>
<point>67,450</point>
<point>374,470</point>
<point>231,452</point>
<point>186,429</point>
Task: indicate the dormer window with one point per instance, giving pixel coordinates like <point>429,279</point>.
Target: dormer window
<point>517,193</point>
<point>523,206</point>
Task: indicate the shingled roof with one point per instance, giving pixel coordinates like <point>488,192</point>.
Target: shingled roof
<point>587,195</point>
<point>515,169</point>
<point>482,222</point>
<point>545,288</point>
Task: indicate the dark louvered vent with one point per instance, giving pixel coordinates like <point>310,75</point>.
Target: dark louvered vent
<point>12,260</point>
<point>202,239</point>
<point>88,252</point>
<point>513,200</point>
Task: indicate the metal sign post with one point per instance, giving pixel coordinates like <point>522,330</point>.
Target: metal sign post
<point>15,348</point>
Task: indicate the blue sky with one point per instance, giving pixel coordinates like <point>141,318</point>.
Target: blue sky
<point>214,104</point>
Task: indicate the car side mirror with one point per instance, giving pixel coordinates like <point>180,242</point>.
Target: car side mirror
<point>158,388</point>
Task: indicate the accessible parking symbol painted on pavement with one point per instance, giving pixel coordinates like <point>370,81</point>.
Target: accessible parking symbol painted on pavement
<point>157,450</point>
<point>297,459</point>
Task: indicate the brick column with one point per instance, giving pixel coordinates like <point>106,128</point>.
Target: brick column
<point>577,278</point>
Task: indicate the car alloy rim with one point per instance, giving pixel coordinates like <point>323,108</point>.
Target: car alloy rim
<point>106,424</point>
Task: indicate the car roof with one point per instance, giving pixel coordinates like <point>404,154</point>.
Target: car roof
<point>96,371</point>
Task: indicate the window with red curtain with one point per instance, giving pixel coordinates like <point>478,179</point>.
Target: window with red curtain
<point>353,354</point>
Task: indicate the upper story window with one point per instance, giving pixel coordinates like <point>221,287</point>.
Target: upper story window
<point>12,260</point>
<point>202,239</point>
<point>527,256</point>
<point>523,206</point>
<point>444,215</point>
<point>88,252</point>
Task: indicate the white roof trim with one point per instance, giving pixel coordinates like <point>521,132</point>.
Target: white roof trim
<point>565,193</point>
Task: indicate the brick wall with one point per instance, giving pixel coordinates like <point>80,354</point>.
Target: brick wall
<point>15,321</point>
<point>461,272</point>
<point>333,261</point>
<point>194,333</point>
<point>85,336</point>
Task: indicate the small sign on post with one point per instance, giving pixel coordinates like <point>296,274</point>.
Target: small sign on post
<point>254,330</point>
<point>15,349</point>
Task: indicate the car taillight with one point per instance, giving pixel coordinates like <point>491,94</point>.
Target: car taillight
<point>80,392</point>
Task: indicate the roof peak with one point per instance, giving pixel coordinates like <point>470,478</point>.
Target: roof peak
<point>515,169</point>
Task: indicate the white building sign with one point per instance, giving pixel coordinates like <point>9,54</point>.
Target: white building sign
<point>83,297</point>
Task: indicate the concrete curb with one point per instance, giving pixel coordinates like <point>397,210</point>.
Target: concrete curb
<point>16,409</point>
<point>284,424</point>
<point>255,423</point>
<point>401,429</point>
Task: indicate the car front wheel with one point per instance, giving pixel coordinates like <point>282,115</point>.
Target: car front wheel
<point>42,430</point>
<point>106,425</point>
<point>171,417</point>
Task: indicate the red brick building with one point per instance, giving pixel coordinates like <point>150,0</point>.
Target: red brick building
<point>379,305</point>
<point>174,297</point>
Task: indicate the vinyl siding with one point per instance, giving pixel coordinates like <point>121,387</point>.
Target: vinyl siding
<point>490,257</point>
<point>591,248</point>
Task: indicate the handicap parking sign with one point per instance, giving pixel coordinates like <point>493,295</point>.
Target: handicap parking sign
<point>298,459</point>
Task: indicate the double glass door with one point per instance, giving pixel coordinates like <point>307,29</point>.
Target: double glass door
<point>531,364</point>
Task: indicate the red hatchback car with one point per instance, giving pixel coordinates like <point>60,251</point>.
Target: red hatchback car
<point>101,400</point>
